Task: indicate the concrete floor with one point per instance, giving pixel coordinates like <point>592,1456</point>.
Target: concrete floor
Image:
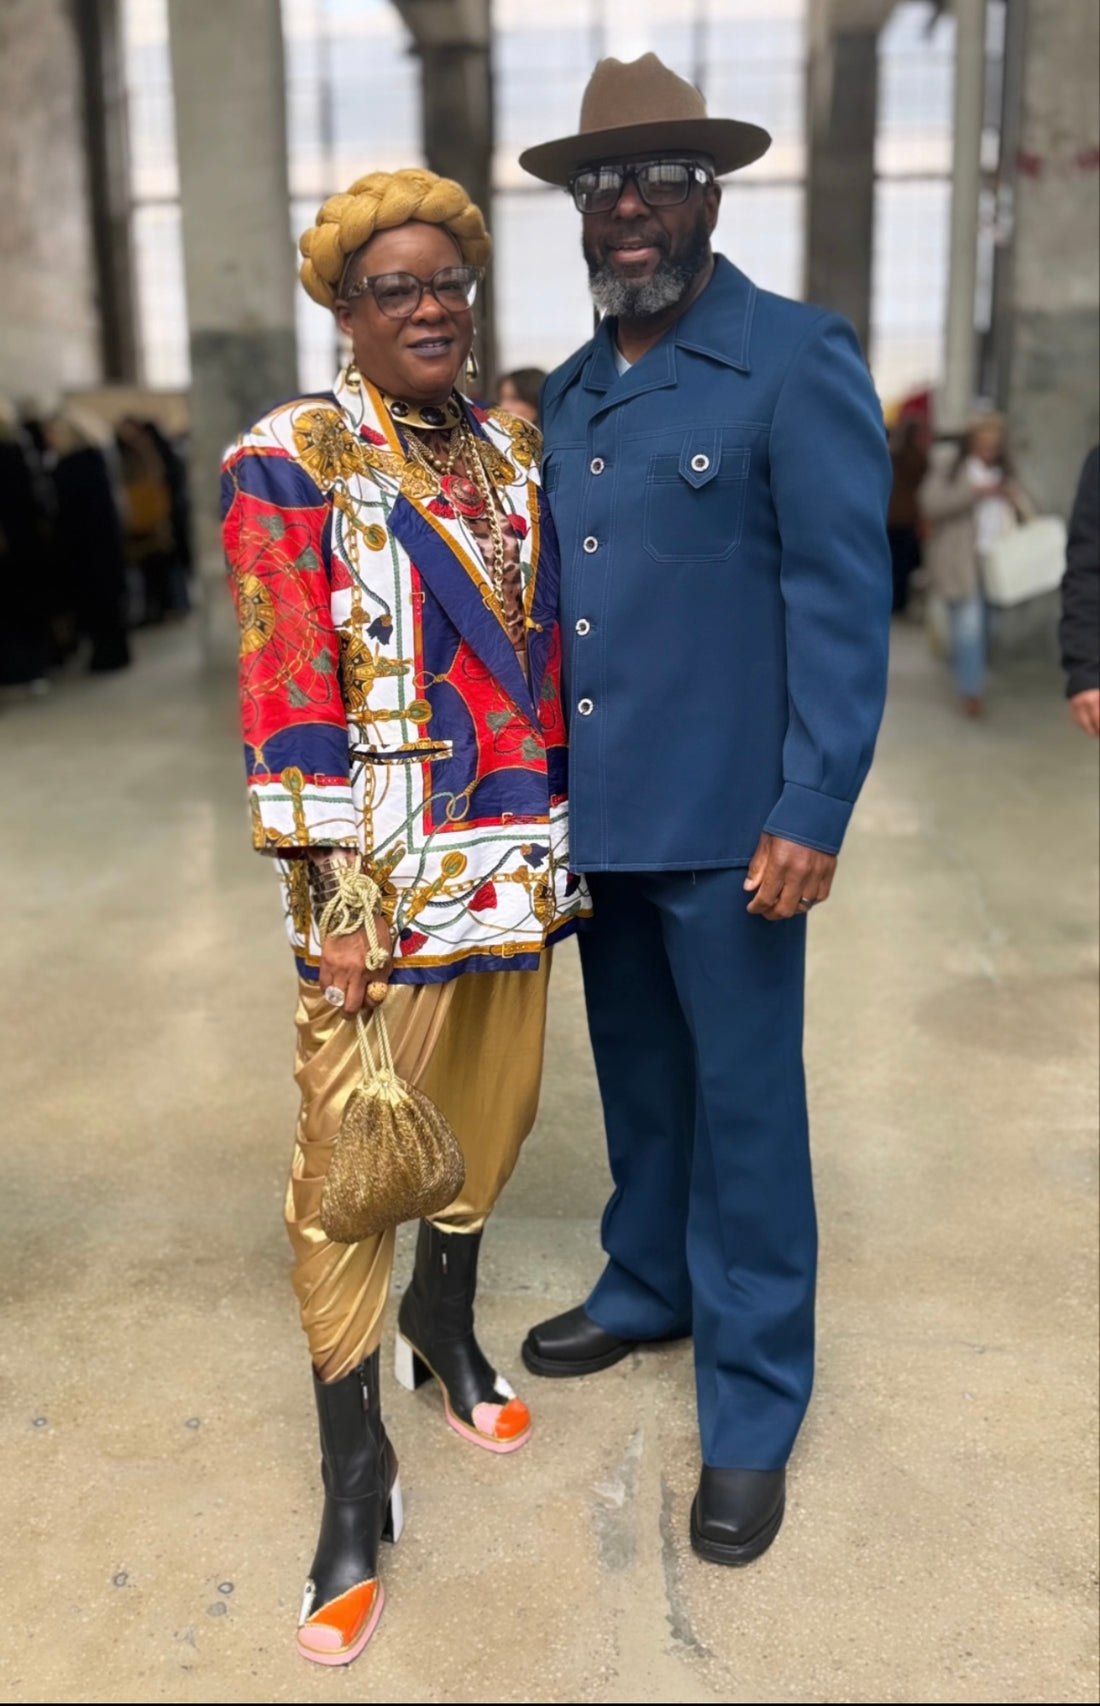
<point>159,1486</point>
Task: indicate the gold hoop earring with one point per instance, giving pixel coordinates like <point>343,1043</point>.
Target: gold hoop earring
<point>472,369</point>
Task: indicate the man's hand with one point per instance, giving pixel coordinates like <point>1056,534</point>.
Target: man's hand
<point>788,879</point>
<point>1084,708</point>
<point>344,965</point>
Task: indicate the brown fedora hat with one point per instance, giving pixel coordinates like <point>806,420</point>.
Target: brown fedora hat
<point>637,108</point>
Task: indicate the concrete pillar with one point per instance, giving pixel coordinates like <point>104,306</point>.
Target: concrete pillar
<point>841,102</point>
<point>105,127</point>
<point>452,39</point>
<point>239,258</point>
<point>956,397</point>
<point>49,326</point>
<point>1053,338</point>
<point>997,352</point>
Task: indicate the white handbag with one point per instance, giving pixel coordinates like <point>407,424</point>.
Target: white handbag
<point>1026,562</point>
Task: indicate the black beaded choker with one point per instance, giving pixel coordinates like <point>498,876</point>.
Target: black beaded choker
<point>434,417</point>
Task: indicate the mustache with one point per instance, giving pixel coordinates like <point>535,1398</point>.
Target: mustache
<point>627,233</point>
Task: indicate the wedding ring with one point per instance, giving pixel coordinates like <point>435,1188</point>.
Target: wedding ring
<point>807,903</point>
<point>334,995</point>
<point>377,992</point>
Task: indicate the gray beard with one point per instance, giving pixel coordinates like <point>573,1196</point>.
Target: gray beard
<point>616,296</point>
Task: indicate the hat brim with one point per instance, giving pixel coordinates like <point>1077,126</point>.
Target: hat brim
<point>729,142</point>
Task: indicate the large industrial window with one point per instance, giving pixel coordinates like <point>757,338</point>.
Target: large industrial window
<point>154,191</point>
<point>747,55</point>
<point>912,198</point>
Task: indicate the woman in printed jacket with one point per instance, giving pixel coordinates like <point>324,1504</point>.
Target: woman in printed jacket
<point>396,577</point>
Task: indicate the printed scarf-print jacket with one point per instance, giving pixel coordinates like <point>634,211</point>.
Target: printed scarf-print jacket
<point>383,705</point>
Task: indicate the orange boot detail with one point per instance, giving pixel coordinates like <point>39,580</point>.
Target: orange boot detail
<point>340,1630</point>
<point>436,1340</point>
<point>344,1596</point>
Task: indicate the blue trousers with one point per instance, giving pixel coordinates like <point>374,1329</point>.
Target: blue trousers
<point>695,1012</point>
<point>969,622</point>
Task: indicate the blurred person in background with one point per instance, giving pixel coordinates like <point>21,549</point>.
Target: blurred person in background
<point>89,542</point>
<point>396,578</point>
<point>1079,631</point>
<point>179,518</point>
<point>969,500</point>
<point>716,463</point>
<point>909,461</point>
<point>149,542</point>
<point>26,584</point>
<point>518,392</point>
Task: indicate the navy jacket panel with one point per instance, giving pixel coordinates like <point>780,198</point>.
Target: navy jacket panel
<point>721,510</point>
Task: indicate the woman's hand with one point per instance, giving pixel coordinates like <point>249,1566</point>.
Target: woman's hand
<point>344,967</point>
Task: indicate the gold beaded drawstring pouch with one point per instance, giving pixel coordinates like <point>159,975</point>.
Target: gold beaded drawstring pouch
<point>395,1157</point>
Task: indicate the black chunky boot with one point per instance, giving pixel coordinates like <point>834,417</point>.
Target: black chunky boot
<point>344,1598</point>
<point>737,1513</point>
<point>572,1344</point>
<point>435,1336</point>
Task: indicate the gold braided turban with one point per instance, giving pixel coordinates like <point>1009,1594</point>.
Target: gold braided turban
<point>379,202</point>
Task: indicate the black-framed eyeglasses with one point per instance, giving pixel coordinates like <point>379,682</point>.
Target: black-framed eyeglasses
<point>399,294</point>
<point>660,183</point>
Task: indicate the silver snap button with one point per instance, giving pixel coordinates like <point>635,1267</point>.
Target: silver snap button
<point>584,626</point>
<point>597,465</point>
<point>591,544</point>
<point>585,707</point>
<point>700,463</point>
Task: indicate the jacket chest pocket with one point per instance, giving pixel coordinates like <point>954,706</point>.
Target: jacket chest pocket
<point>695,501</point>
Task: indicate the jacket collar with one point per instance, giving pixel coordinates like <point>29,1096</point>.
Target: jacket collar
<point>655,371</point>
<point>717,325</point>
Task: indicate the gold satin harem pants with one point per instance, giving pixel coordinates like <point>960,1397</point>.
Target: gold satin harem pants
<point>473,1045</point>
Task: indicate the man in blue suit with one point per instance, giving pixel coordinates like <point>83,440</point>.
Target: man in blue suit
<point>717,469</point>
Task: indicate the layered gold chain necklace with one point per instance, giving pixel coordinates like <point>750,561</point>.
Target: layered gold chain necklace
<point>472,499</point>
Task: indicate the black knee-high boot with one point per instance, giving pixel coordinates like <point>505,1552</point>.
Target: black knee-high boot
<point>343,1597</point>
<point>435,1336</point>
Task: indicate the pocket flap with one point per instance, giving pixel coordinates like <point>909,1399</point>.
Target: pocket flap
<point>410,752</point>
<point>701,457</point>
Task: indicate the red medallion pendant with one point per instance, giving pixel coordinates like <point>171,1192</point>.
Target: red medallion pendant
<point>463,496</point>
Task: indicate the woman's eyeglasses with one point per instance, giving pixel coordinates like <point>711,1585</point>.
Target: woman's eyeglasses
<point>399,294</point>
<point>660,183</point>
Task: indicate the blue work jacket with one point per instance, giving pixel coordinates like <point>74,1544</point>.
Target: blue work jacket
<point>721,511</point>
